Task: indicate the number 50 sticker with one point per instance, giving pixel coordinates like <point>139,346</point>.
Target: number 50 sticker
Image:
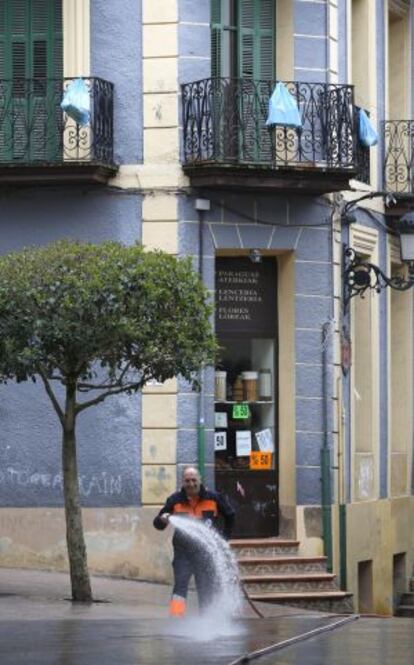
<point>220,441</point>
<point>260,461</point>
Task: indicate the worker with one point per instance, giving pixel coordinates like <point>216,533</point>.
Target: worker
<point>197,502</point>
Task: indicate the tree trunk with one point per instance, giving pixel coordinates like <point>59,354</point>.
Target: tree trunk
<point>79,575</point>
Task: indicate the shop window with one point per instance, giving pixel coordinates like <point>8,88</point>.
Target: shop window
<point>400,384</point>
<point>363,407</point>
<point>365,377</point>
<point>245,392</point>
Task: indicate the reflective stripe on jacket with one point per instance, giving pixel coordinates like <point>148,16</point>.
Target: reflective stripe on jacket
<point>210,506</point>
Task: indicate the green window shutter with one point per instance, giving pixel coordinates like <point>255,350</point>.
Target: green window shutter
<point>31,47</point>
<point>256,39</point>
<point>31,39</point>
<point>3,31</point>
<point>56,50</point>
<point>46,57</point>
<point>216,38</point>
<point>267,40</point>
<point>247,45</point>
<point>18,12</point>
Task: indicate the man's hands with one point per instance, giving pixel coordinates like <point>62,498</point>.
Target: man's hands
<point>165,517</point>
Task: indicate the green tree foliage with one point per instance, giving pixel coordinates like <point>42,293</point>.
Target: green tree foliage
<point>102,320</point>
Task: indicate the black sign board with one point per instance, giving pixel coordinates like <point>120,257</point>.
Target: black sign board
<point>246,296</point>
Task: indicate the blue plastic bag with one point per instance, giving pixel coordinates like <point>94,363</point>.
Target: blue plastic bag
<point>76,102</point>
<point>366,131</point>
<point>283,109</point>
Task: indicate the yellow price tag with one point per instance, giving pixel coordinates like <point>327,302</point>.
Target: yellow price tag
<point>260,461</point>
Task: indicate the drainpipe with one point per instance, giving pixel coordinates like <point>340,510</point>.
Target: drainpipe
<point>326,451</point>
<point>341,490</point>
<point>201,205</point>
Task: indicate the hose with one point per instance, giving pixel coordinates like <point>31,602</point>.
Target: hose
<point>250,602</point>
<point>253,655</point>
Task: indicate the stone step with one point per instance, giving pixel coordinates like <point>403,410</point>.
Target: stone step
<point>405,611</point>
<point>253,547</point>
<point>321,601</point>
<point>288,582</point>
<point>281,564</point>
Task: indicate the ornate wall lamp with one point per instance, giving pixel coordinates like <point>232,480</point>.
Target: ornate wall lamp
<point>361,276</point>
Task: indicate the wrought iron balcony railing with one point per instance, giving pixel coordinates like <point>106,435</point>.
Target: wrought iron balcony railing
<point>399,156</point>
<point>224,122</point>
<point>362,153</point>
<point>34,130</point>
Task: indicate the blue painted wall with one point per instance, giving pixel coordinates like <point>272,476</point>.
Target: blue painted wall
<point>342,44</point>
<point>35,217</point>
<point>30,450</point>
<point>238,220</point>
<point>116,55</point>
<point>108,435</point>
<point>381,97</point>
<point>310,40</point>
<point>194,40</point>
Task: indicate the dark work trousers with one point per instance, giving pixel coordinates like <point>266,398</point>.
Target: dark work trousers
<point>187,563</point>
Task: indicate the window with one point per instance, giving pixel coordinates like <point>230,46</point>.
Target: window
<point>400,367</point>
<point>364,376</point>
<point>242,39</point>
<point>31,66</point>
<point>31,39</point>
<point>246,437</point>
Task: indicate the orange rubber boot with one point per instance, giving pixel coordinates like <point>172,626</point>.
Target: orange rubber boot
<point>177,606</point>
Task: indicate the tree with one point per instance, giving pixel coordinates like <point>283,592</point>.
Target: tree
<point>102,320</point>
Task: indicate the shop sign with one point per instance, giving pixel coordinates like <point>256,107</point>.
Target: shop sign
<point>243,443</point>
<point>220,440</point>
<point>245,295</point>
<point>240,412</point>
<point>260,461</point>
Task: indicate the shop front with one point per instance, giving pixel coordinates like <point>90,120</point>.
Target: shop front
<point>246,382</point>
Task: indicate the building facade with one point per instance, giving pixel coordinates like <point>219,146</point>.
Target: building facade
<point>306,422</point>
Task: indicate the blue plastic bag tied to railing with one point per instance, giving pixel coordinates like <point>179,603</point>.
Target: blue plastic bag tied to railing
<point>283,109</point>
<point>76,102</point>
<point>366,131</point>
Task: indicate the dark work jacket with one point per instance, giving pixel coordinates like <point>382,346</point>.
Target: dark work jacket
<point>211,506</point>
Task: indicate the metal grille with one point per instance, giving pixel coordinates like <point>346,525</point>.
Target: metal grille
<point>362,153</point>
<point>398,156</point>
<point>224,121</point>
<point>34,129</point>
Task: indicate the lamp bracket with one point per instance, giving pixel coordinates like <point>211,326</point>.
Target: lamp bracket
<point>361,276</point>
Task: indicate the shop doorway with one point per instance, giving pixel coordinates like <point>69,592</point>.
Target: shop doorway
<point>245,440</point>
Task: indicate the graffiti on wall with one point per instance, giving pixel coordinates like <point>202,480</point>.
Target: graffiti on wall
<point>95,484</point>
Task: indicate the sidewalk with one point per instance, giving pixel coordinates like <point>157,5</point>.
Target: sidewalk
<point>131,627</point>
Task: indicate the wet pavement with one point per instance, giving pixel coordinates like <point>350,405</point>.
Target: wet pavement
<point>38,626</point>
<point>362,642</point>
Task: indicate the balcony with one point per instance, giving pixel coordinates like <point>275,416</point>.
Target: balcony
<point>39,144</point>
<point>362,153</point>
<point>399,161</point>
<point>227,143</point>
